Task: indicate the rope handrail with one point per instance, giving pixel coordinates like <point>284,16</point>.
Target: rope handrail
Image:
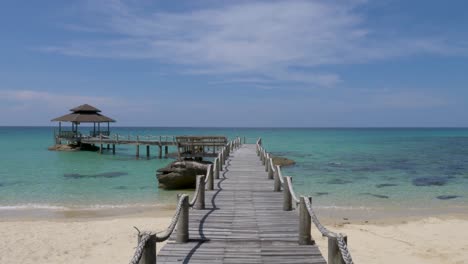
<point>196,193</point>
<point>280,175</point>
<point>291,190</point>
<point>208,173</point>
<point>141,245</point>
<point>324,231</point>
<point>160,236</point>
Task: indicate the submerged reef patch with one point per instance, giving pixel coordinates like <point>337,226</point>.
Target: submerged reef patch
<point>430,181</point>
<point>321,193</point>
<point>376,195</point>
<point>339,181</point>
<point>382,185</point>
<point>447,197</point>
<point>113,174</point>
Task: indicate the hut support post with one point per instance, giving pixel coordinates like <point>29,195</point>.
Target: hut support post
<point>183,223</point>
<point>200,202</point>
<point>305,238</point>
<point>166,151</point>
<point>137,150</point>
<point>147,151</point>
<point>287,199</point>
<point>149,250</point>
<point>113,149</point>
<point>334,254</point>
<point>160,151</point>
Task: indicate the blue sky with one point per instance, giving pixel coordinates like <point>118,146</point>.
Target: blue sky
<point>275,63</point>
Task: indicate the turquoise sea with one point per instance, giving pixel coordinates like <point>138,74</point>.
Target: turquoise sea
<point>403,168</point>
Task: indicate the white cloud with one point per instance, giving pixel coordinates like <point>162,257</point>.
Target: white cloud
<point>244,37</point>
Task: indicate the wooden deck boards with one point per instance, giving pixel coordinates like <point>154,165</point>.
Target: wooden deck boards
<point>243,221</point>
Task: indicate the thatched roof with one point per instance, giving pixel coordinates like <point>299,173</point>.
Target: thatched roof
<point>85,108</point>
<point>84,114</point>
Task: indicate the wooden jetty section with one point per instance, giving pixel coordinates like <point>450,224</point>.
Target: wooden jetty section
<point>187,146</point>
<point>242,212</point>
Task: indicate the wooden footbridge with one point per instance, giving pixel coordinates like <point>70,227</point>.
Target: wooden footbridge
<point>241,212</point>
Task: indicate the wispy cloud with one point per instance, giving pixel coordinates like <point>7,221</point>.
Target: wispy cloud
<point>245,37</point>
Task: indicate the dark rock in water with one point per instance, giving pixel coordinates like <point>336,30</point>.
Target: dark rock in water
<point>121,188</point>
<point>447,197</point>
<point>181,174</point>
<point>430,181</point>
<point>338,181</point>
<point>376,195</point>
<point>99,175</point>
<point>381,185</point>
<point>321,193</point>
<point>282,161</point>
<point>64,147</point>
<point>145,187</point>
<point>73,147</point>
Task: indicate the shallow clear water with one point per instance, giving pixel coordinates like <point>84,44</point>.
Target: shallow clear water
<point>344,168</point>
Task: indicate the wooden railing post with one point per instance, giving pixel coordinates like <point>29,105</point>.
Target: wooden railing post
<point>210,175</point>
<point>149,250</point>
<point>334,254</point>
<point>200,202</point>
<point>277,186</point>
<point>221,161</point>
<point>287,199</point>
<point>263,157</point>
<point>305,238</point>
<point>270,169</point>
<point>267,162</point>
<point>183,222</point>
<point>216,168</point>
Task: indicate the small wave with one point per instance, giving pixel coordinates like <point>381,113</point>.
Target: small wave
<point>335,207</point>
<point>71,207</point>
<point>32,206</point>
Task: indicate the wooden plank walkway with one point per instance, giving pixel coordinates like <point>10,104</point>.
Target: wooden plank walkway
<point>243,221</point>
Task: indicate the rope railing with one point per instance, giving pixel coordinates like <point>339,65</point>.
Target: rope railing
<point>337,246</point>
<point>291,190</point>
<point>145,252</point>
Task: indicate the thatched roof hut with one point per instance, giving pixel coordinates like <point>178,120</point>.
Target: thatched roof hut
<point>84,114</point>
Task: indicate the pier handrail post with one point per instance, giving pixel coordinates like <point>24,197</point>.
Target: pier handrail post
<point>277,186</point>
<point>262,157</point>
<point>334,254</point>
<point>210,177</point>
<point>270,169</point>
<point>149,250</point>
<point>287,199</point>
<point>221,161</point>
<point>267,162</point>
<point>183,222</point>
<point>200,202</point>
<point>305,237</point>
<point>216,168</point>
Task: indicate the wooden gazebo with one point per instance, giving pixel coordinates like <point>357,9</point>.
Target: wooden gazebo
<point>83,114</point>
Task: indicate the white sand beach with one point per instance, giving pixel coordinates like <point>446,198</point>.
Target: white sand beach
<point>112,240</point>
